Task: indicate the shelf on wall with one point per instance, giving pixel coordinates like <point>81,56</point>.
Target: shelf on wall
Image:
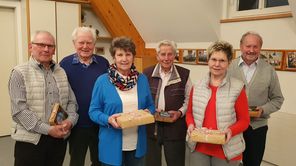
<point>104,38</point>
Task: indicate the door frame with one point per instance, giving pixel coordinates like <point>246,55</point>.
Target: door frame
<point>17,11</point>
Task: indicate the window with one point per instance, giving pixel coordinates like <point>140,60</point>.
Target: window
<point>245,8</point>
<point>274,3</point>
<point>248,5</point>
<point>254,4</point>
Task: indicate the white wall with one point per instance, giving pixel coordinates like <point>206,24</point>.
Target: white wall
<point>177,20</point>
<point>66,12</point>
<point>59,19</point>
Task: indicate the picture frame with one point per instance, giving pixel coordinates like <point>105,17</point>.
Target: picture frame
<point>100,50</point>
<point>202,57</point>
<point>290,60</point>
<point>273,57</point>
<point>284,60</point>
<point>177,57</point>
<point>236,53</point>
<point>189,56</point>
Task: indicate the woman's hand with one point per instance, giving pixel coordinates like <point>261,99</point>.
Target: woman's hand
<point>190,129</point>
<point>146,110</point>
<point>228,134</point>
<point>112,120</point>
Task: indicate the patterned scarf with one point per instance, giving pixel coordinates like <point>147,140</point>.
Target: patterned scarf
<point>123,84</point>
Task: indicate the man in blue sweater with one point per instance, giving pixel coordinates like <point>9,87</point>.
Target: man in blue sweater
<point>83,68</point>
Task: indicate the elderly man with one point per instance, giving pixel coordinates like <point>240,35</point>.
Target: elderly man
<point>263,91</point>
<point>83,68</point>
<point>34,88</point>
<point>170,86</point>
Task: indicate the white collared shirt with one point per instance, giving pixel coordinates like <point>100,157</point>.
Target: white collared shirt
<point>164,78</point>
<point>248,70</point>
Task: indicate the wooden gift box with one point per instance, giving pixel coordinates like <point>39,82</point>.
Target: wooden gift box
<point>134,118</point>
<point>208,136</point>
<point>253,112</point>
<point>160,118</point>
<point>57,115</point>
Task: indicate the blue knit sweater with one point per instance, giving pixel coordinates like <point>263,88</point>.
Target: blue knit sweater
<point>82,79</point>
<point>106,102</point>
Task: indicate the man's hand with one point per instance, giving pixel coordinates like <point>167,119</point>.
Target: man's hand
<point>158,110</point>
<point>259,110</point>
<point>67,125</point>
<point>58,131</point>
<point>175,114</point>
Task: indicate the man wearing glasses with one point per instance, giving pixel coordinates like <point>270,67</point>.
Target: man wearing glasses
<point>34,88</point>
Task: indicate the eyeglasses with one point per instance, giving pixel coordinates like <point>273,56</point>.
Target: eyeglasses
<point>43,45</point>
<point>222,61</point>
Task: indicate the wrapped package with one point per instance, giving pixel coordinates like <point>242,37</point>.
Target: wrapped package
<point>57,115</point>
<point>163,117</point>
<point>253,111</point>
<point>208,136</point>
<point>134,118</point>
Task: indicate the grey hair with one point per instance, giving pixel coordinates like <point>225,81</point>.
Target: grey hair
<point>167,43</point>
<point>36,33</point>
<point>84,30</point>
<point>251,33</point>
<point>222,46</point>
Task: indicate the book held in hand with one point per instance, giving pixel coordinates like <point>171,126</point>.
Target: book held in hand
<point>58,114</point>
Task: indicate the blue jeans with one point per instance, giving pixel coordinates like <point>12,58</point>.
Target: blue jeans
<point>129,159</point>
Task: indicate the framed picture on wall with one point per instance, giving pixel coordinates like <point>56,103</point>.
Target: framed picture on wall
<point>290,60</point>
<point>189,56</point>
<point>100,50</point>
<point>202,56</point>
<point>177,57</point>
<point>237,53</point>
<point>273,57</point>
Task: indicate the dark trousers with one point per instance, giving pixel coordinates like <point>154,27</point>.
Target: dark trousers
<point>255,145</point>
<point>48,152</point>
<point>79,141</point>
<point>129,159</point>
<point>174,152</point>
